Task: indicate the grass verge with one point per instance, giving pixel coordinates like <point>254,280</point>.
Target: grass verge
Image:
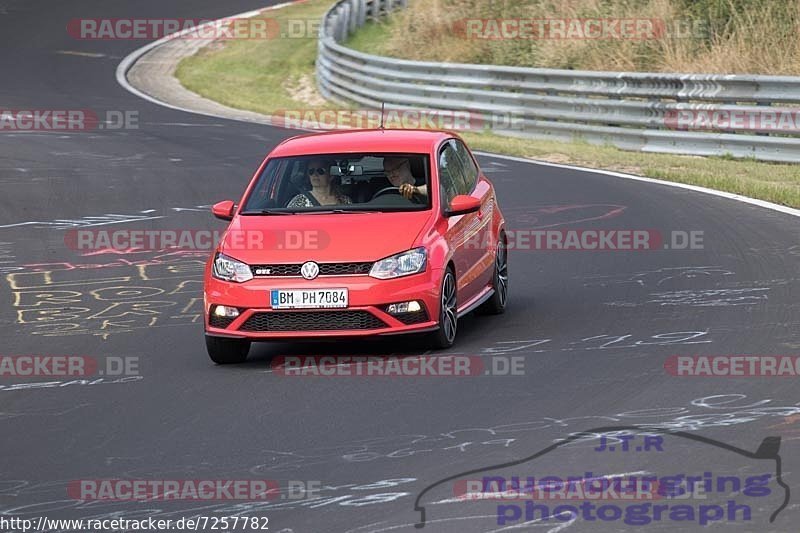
<point>270,75</point>
<point>261,75</point>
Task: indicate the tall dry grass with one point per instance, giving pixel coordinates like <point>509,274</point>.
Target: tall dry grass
<point>718,36</point>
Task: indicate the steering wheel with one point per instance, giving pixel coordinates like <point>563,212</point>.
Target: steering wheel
<point>385,190</point>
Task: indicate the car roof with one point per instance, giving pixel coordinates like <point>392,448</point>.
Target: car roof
<point>360,141</point>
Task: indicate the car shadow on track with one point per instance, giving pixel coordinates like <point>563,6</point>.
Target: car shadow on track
<point>472,329</point>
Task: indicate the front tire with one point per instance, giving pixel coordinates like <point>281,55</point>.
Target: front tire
<point>445,336</point>
<point>224,351</point>
<point>496,305</point>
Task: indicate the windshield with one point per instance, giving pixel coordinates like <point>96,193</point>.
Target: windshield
<point>341,183</point>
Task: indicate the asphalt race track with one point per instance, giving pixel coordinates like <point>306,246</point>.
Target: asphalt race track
<point>594,330</point>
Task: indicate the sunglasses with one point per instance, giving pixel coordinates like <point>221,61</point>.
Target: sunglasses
<point>320,171</point>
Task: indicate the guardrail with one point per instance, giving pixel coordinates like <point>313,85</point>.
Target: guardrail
<point>698,114</point>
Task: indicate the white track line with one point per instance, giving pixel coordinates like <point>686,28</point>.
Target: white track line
<point>696,188</point>
<point>131,58</point>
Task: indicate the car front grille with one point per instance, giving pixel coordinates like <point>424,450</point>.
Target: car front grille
<point>343,269</point>
<point>313,321</point>
<point>325,269</point>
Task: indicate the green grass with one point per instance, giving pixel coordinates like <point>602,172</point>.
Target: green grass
<point>266,76</point>
<point>258,75</point>
<point>371,39</point>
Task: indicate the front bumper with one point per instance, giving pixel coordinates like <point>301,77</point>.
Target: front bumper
<point>364,316</point>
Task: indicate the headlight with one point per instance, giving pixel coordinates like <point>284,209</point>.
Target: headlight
<point>229,269</point>
<point>403,264</point>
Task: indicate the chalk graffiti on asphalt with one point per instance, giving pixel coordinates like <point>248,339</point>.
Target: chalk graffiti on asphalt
<point>61,299</point>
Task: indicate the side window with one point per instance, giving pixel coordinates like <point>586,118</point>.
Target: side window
<point>450,175</point>
<point>468,165</point>
<point>262,195</point>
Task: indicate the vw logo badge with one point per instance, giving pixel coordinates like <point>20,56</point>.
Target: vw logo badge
<point>309,270</point>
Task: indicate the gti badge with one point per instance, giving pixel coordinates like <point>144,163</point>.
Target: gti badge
<point>309,270</point>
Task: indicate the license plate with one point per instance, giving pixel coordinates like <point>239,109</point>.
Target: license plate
<point>308,298</point>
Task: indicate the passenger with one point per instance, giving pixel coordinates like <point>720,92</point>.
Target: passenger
<point>324,188</point>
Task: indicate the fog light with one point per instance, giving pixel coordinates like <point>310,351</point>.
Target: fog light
<point>404,307</point>
<point>225,311</point>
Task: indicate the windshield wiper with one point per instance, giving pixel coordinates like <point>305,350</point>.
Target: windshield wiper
<point>338,211</point>
<point>267,212</point>
<point>304,212</point>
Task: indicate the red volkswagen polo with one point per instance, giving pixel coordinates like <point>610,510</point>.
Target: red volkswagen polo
<point>352,234</point>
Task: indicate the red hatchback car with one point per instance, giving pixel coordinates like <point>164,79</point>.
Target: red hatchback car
<point>353,234</point>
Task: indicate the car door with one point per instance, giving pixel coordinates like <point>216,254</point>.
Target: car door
<point>477,186</point>
<point>452,182</point>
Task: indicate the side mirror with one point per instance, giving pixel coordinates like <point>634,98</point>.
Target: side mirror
<point>223,210</point>
<point>463,204</point>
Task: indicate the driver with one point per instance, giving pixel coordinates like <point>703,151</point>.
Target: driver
<point>398,172</point>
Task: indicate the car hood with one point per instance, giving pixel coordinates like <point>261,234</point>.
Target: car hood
<point>340,237</point>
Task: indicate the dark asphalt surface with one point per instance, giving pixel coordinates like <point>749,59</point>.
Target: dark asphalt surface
<point>594,328</point>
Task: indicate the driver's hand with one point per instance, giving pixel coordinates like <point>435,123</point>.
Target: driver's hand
<point>407,190</point>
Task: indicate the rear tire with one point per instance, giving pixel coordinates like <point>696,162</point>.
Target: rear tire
<point>445,336</point>
<point>496,305</point>
<point>224,351</point>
